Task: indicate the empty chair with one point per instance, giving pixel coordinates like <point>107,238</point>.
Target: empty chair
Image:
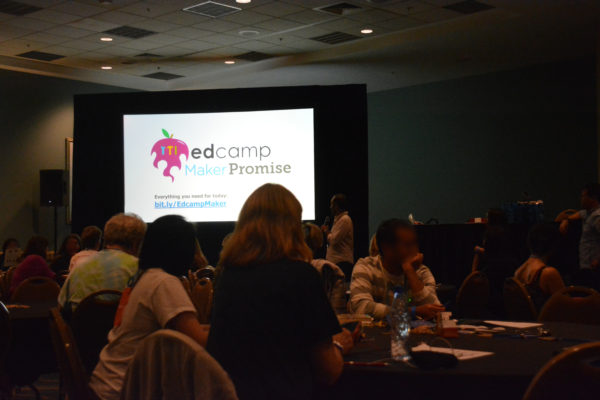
<point>517,302</point>
<point>574,374</point>
<point>171,365</point>
<point>202,297</point>
<point>573,304</point>
<point>91,321</point>
<point>473,296</point>
<point>72,372</point>
<point>36,290</point>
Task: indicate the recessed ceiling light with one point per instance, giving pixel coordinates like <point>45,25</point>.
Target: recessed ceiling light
<point>243,1</point>
<point>106,67</point>
<point>106,39</point>
<point>248,33</point>
<point>229,62</point>
<point>366,31</point>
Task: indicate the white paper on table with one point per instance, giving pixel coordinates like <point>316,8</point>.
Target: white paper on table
<point>513,324</point>
<point>461,354</point>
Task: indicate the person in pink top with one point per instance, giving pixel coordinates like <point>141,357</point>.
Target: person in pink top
<point>31,266</point>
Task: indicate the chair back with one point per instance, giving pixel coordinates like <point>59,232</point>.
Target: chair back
<point>72,372</point>
<point>170,365</point>
<point>36,290</point>
<point>206,272</point>
<point>202,297</point>
<point>91,321</point>
<point>473,296</point>
<point>573,304</point>
<point>4,335</point>
<point>573,374</point>
<point>5,281</point>
<point>517,301</point>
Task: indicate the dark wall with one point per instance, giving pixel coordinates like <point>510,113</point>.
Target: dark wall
<point>36,115</point>
<point>340,147</point>
<point>450,150</point>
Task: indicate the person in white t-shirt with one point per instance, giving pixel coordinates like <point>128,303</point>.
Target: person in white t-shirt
<point>155,300</point>
<point>91,238</point>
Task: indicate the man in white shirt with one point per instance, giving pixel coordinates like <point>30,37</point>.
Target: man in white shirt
<point>399,263</point>
<point>340,238</point>
<point>91,238</point>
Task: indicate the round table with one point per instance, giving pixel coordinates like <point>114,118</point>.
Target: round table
<point>503,375</point>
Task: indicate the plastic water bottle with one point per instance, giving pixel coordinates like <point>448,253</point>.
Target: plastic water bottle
<point>399,320</point>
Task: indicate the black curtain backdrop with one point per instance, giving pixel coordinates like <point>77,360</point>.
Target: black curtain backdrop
<point>340,147</point>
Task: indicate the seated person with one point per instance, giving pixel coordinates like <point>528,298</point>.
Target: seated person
<point>112,267</point>
<point>37,245</point>
<point>69,247</point>
<point>156,300</point>
<point>540,280</point>
<point>273,329</point>
<point>32,266</point>
<point>91,238</point>
<point>399,264</point>
<point>314,239</point>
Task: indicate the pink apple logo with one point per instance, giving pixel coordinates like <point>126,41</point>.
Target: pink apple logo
<point>169,150</point>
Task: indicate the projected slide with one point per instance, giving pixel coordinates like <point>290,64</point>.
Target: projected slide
<point>203,166</point>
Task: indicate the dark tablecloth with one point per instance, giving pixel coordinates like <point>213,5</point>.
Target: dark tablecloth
<point>503,375</point>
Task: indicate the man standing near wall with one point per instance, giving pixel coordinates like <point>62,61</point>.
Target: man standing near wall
<point>340,239</point>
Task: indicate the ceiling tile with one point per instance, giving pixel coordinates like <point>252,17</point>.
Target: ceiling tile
<point>399,23</point>
<point>196,45</point>
<point>118,51</point>
<point>141,44</point>
<point>171,51</point>
<point>436,14</point>
<point>223,39</point>
<point>277,9</point>
<point>228,51</point>
<point>371,16</point>
<point>311,31</point>
<point>93,24</point>
<point>69,31</point>
<point>20,45</point>
<point>155,25</point>
<point>78,8</point>
<point>190,33</point>
<point>246,17</point>
<point>10,32</point>
<point>87,45</point>
<point>164,39</point>
<point>29,23</point>
<point>309,17</point>
<point>57,17</point>
<point>183,18</point>
<point>119,18</point>
<point>411,7</point>
<point>218,25</point>
<point>254,45</point>
<point>278,25</point>
<point>65,51</point>
<point>45,37</point>
<point>150,10</point>
<point>341,24</point>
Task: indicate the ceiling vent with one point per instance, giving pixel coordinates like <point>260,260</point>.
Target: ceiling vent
<point>148,55</point>
<point>16,8</point>
<point>340,9</point>
<point>253,56</point>
<point>468,7</point>
<point>335,38</point>
<point>130,32</point>
<point>163,76</point>
<point>212,9</point>
<point>40,56</point>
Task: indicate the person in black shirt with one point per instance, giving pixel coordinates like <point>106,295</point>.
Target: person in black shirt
<point>273,329</point>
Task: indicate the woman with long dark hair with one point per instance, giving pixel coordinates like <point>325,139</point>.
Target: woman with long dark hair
<point>154,300</point>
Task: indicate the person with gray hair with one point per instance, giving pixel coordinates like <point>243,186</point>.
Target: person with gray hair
<point>110,268</point>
